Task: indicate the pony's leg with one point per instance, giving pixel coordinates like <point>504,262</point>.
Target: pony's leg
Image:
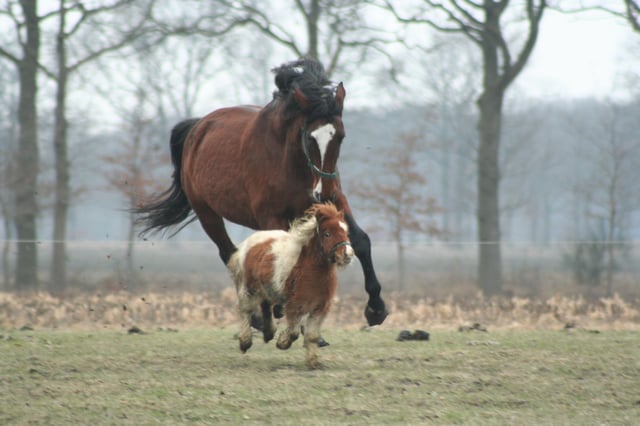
<point>376,311</point>
<point>311,339</point>
<point>289,334</point>
<point>246,308</point>
<point>213,225</point>
<point>268,328</point>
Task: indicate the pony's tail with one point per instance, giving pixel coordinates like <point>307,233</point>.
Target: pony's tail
<point>170,207</point>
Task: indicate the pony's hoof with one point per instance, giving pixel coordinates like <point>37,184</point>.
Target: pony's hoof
<point>256,322</point>
<point>283,345</point>
<point>244,346</point>
<point>267,337</point>
<point>278,311</point>
<point>322,343</point>
<point>375,316</point>
<point>314,364</point>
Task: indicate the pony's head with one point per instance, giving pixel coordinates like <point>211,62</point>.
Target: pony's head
<point>314,104</point>
<point>332,233</point>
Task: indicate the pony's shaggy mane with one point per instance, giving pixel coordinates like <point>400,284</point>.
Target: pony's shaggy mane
<point>304,228</point>
<point>307,75</point>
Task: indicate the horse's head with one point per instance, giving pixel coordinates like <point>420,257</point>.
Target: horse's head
<point>317,106</point>
<point>333,233</point>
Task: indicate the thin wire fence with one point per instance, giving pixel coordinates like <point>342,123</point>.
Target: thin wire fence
<point>430,269</point>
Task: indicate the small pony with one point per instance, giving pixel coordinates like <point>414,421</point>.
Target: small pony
<point>295,269</point>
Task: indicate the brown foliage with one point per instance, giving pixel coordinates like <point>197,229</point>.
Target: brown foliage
<point>187,310</point>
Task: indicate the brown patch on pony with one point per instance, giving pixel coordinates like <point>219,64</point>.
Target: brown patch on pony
<point>258,266</point>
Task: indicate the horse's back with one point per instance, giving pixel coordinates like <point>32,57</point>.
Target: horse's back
<point>213,163</point>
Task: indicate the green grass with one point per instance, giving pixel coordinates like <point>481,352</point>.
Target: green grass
<point>199,376</point>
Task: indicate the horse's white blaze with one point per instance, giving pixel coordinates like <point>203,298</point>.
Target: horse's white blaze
<point>323,136</point>
<point>318,189</point>
<point>344,226</point>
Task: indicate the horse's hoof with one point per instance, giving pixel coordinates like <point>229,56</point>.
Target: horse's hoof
<point>375,316</point>
<point>322,343</point>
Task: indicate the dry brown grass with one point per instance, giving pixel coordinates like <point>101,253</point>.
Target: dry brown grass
<point>184,310</point>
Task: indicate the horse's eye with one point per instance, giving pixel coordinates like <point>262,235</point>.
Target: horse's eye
<point>327,234</point>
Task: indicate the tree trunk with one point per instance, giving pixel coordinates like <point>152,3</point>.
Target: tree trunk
<point>312,28</point>
<point>489,128</point>
<point>401,266</point>
<point>61,207</point>
<point>6,246</point>
<point>27,155</point>
<point>489,253</point>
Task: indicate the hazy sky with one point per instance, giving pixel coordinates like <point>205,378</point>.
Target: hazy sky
<point>581,55</point>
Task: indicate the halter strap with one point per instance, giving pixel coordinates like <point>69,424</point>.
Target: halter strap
<point>335,248</point>
<point>312,166</point>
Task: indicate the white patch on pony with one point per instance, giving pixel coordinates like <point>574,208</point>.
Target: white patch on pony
<point>323,136</point>
<point>344,226</point>
<point>286,252</point>
<point>349,251</point>
<point>255,239</point>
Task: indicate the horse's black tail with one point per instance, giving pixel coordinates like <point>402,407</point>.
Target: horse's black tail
<point>170,207</point>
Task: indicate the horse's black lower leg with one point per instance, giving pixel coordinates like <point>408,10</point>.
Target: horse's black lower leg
<point>376,311</point>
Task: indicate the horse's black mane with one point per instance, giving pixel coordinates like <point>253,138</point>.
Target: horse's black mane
<point>309,76</point>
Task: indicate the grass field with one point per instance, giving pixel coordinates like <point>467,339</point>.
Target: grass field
<point>197,375</point>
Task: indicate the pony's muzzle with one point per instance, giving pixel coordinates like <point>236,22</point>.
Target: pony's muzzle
<point>344,255</point>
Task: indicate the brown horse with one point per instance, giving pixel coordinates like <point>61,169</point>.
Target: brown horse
<point>262,167</point>
<point>295,269</point>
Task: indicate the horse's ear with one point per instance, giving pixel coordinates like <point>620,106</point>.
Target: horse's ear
<point>340,94</point>
<point>301,99</point>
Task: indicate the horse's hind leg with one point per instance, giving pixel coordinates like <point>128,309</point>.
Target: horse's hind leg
<point>213,224</point>
<point>268,329</point>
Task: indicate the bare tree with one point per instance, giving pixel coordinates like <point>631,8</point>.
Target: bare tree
<point>609,189</point>
<point>73,20</point>
<point>8,142</point>
<point>482,23</point>
<point>132,167</point>
<point>632,9</point>
<point>333,28</point>
<point>398,196</point>
<point>444,73</point>
<point>23,16</point>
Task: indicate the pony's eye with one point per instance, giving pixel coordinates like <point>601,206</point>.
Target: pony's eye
<point>327,234</point>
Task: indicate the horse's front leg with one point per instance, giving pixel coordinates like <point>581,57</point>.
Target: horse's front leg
<point>376,311</point>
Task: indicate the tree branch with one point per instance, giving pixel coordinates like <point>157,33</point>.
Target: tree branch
<point>534,15</point>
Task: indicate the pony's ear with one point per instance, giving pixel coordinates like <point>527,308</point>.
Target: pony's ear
<point>300,98</point>
<point>340,94</point>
